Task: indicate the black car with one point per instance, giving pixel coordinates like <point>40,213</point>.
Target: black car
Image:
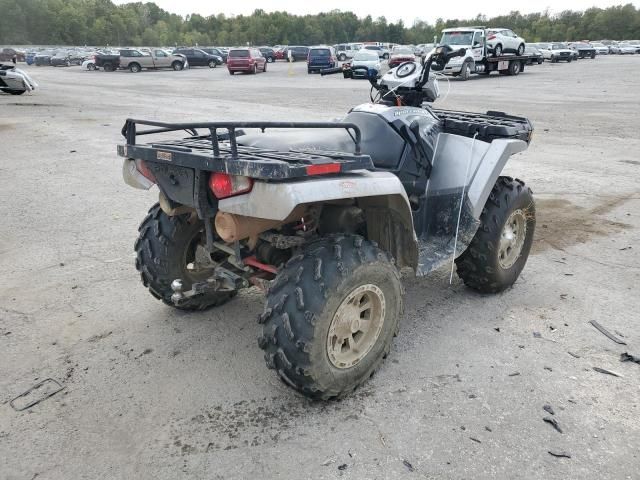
<point>268,53</point>
<point>199,58</point>
<point>535,55</point>
<point>217,52</point>
<point>584,50</point>
<point>297,53</point>
<point>60,59</point>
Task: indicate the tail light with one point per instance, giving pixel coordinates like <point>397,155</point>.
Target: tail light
<point>224,185</point>
<point>323,168</point>
<point>142,167</point>
<point>491,37</point>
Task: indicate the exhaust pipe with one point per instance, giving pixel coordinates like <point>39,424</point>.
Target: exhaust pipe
<point>232,227</point>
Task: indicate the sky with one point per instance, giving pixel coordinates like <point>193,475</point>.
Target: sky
<point>428,11</point>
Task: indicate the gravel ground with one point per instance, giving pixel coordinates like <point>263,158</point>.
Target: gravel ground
<point>154,393</point>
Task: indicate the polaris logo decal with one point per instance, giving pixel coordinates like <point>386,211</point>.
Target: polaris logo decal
<point>409,111</point>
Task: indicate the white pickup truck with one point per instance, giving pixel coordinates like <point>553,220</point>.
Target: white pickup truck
<point>477,58</point>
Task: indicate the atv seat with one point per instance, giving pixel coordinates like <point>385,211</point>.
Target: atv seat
<point>379,140</point>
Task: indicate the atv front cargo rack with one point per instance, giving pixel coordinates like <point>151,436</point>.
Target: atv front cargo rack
<point>488,126</point>
<point>220,152</point>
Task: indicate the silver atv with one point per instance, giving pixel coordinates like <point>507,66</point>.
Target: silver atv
<point>323,216</point>
<point>15,81</point>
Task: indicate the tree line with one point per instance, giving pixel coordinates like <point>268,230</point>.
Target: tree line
<point>100,22</point>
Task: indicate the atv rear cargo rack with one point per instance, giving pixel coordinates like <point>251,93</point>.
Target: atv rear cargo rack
<point>220,152</point>
<point>488,126</point>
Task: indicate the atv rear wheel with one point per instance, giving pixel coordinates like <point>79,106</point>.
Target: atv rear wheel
<point>500,248</point>
<point>170,248</point>
<point>331,315</point>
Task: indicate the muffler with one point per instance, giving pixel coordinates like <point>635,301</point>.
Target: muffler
<point>232,227</point>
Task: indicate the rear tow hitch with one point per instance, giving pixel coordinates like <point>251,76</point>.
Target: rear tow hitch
<point>222,280</point>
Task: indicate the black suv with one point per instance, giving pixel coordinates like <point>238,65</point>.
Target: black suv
<point>268,53</point>
<point>297,53</point>
<point>217,52</point>
<point>199,58</point>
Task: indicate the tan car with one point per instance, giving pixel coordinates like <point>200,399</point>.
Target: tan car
<point>136,60</point>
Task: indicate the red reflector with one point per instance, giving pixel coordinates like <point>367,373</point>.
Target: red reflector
<point>323,169</point>
<point>142,167</point>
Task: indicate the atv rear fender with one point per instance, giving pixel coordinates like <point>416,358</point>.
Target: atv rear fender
<point>380,195</point>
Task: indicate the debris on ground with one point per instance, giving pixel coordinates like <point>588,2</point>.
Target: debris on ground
<point>606,372</point>
<point>342,467</point>
<point>36,394</point>
<point>553,422</point>
<point>574,355</point>
<point>549,368</point>
<point>537,335</point>
<point>328,461</point>
<point>408,465</point>
<point>514,374</point>
<point>607,333</point>
<point>560,454</point>
<point>549,409</point>
<point>475,440</point>
<point>627,357</point>
<point>488,429</point>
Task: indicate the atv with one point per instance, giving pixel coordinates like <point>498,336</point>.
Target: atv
<point>14,80</point>
<point>323,216</point>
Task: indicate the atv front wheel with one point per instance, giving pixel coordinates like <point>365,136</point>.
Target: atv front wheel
<point>170,248</point>
<point>331,315</point>
<point>500,248</point>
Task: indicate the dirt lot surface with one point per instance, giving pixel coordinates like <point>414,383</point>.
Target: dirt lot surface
<point>153,393</point>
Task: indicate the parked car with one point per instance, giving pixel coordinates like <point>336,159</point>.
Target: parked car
<point>503,40</point>
<point>297,53</point>
<point>61,59</point>
<point>555,52</point>
<point>381,51</point>
<point>217,52</point>
<point>135,60</point>
<point>424,48</point>
<point>401,54</point>
<point>7,54</point>
<point>43,58</point>
<point>268,53</point>
<point>367,59</point>
<point>30,58</point>
<point>583,49</point>
<point>281,53</point>
<point>628,48</point>
<point>614,48</point>
<point>89,64</point>
<point>199,58</point>
<point>346,50</point>
<point>601,48</point>
<point>535,55</point>
<point>248,60</point>
<point>321,57</point>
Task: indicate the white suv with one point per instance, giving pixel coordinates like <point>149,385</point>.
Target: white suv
<point>503,40</point>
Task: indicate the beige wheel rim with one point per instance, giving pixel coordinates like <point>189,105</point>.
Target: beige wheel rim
<point>356,326</point>
<point>512,239</point>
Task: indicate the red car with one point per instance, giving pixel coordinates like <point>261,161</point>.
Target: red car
<point>400,55</point>
<point>248,60</point>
